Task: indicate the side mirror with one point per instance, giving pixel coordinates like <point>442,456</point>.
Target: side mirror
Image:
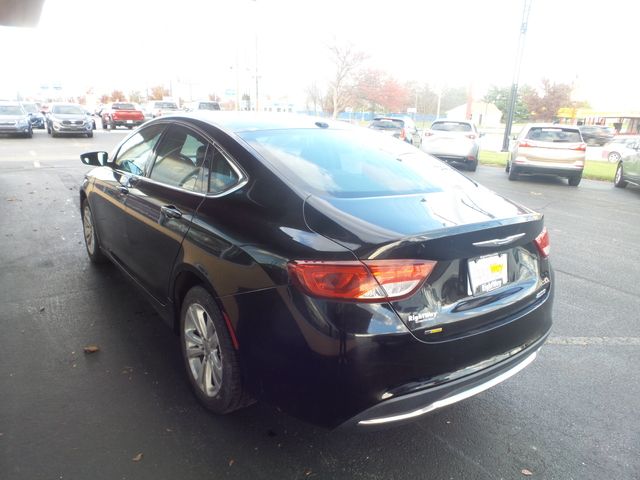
<point>96,159</point>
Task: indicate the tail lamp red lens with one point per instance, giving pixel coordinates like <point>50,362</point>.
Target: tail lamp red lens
<point>472,136</point>
<point>524,144</point>
<point>403,134</point>
<point>369,281</point>
<point>581,148</point>
<point>542,243</point>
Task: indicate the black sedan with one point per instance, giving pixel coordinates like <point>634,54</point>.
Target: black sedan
<point>344,276</point>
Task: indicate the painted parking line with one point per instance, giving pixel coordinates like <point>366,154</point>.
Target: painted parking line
<point>607,341</point>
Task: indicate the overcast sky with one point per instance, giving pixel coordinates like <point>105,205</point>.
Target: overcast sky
<point>199,45</point>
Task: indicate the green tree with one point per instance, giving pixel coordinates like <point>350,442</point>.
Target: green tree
<point>500,97</point>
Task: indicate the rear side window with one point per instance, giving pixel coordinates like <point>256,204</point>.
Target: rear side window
<point>133,155</point>
<point>451,127</point>
<point>222,175</point>
<point>180,159</point>
<point>553,134</point>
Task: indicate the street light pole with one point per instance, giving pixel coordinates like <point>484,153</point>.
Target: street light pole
<point>516,74</point>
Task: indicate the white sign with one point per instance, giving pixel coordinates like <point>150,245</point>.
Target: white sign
<point>412,110</point>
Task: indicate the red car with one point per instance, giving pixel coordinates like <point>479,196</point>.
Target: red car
<point>121,114</point>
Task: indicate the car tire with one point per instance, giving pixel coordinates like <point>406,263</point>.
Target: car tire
<point>473,166</point>
<point>104,124</point>
<point>618,180</point>
<point>614,157</point>
<point>29,134</point>
<point>574,180</point>
<point>513,174</point>
<point>90,134</point>
<point>91,241</point>
<point>48,130</point>
<point>212,363</point>
<point>53,133</point>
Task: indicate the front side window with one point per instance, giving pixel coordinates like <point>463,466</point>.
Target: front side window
<point>180,160</point>
<point>134,154</point>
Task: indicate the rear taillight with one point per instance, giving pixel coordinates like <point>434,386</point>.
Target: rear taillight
<point>403,134</point>
<point>581,148</point>
<point>542,243</point>
<point>472,136</point>
<point>427,134</point>
<point>369,281</point>
<point>524,144</point>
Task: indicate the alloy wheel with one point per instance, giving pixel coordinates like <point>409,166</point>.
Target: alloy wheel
<point>87,224</point>
<point>203,350</point>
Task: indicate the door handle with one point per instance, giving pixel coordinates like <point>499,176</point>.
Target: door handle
<point>170,211</point>
<point>122,189</point>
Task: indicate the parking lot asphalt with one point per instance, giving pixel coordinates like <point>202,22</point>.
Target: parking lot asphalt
<point>126,412</point>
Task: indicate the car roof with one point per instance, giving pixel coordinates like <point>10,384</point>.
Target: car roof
<point>251,121</point>
<point>551,125</point>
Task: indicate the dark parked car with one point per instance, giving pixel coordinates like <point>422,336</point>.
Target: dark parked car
<point>628,170</point>
<point>35,116</point>
<point>596,134</point>
<point>69,119</point>
<point>344,276</point>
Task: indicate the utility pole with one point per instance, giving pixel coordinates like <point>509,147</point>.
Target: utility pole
<point>516,74</point>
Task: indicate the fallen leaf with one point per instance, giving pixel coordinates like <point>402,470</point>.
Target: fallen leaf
<point>42,309</point>
<point>91,349</point>
<point>231,462</point>
<point>307,472</point>
<point>527,473</point>
<point>137,458</point>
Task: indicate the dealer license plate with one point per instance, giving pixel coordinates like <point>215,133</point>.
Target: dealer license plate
<point>487,273</point>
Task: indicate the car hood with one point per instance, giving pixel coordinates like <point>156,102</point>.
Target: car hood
<point>68,116</point>
<point>12,118</point>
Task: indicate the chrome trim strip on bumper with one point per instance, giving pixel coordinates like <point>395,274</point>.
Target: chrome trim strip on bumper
<point>454,398</point>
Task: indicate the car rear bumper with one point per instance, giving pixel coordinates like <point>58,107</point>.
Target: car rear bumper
<point>408,407</point>
<point>301,359</point>
<point>557,170</point>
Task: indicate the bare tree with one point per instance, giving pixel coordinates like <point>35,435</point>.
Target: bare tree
<point>117,96</point>
<point>346,60</point>
<point>314,97</point>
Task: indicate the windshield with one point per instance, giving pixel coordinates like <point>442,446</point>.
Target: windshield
<point>30,107</point>
<point>11,110</point>
<point>350,163</point>
<point>123,106</point>
<point>544,134</point>
<point>451,126</point>
<point>67,110</point>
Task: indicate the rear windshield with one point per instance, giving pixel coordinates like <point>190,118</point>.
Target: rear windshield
<point>350,163</point>
<point>208,106</point>
<point>553,134</point>
<point>11,110</point>
<point>166,105</point>
<point>123,106</point>
<point>385,125</point>
<point>451,126</point>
